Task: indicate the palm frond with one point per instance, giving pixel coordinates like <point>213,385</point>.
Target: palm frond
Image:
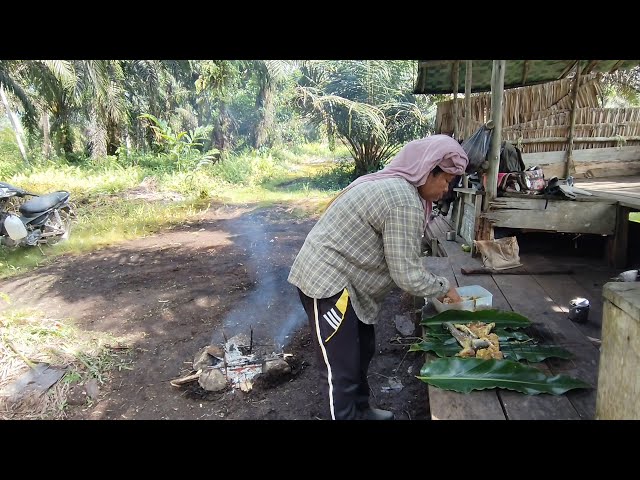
<point>29,108</point>
<point>279,69</point>
<point>369,115</point>
<point>63,71</point>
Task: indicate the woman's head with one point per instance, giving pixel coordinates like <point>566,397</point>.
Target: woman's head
<point>419,157</point>
<point>436,185</point>
<point>416,161</point>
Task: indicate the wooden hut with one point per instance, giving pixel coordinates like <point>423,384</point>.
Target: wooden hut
<point>537,119</point>
<point>552,110</point>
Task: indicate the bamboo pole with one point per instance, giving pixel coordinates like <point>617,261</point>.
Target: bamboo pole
<point>455,78</point>
<point>497,96</point>
<point>618,138</point>
<point>569,166</point>
<point>467,99</point>
<point>467,111</point>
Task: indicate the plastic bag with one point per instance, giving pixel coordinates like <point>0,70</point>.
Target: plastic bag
<point>477,148</point>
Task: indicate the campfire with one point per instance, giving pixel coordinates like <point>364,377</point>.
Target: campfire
<point>236,364</point>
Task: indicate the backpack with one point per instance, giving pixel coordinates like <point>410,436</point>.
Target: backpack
<point>510,159</point>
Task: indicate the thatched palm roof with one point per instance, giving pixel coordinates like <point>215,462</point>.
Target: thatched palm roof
<point>436,76</point>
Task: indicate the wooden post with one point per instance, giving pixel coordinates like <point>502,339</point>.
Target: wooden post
<point>618,245</point>
<point>467,100</point>
<point>455,74</point>
<point>467,111</point>
<point>497,95</point>
<point>569,166</point>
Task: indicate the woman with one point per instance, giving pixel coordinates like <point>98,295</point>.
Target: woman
<point>367,240</point>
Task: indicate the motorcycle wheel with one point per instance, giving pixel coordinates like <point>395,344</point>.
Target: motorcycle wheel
<point>57,228</point>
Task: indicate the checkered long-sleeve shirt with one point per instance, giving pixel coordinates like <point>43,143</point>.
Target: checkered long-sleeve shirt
<point>367,240</point>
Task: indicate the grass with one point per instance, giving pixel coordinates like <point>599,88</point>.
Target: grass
<point>29,337</point>
<point>115,203</point>
<point>634,217</point>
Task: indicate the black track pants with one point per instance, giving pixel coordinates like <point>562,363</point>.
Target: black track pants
<point>345,347</point>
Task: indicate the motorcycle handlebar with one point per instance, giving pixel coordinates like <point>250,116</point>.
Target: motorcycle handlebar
<point>8,188</point>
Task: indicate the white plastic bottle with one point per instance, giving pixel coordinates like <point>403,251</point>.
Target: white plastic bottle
<point>14,227</point>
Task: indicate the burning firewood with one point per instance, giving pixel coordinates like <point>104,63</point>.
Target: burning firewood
<point>188,379</point>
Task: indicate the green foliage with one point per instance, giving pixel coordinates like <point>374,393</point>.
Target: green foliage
<point>181,147</point>
<point>56,342</point>
<point>334,177</point>
<point>250,168</point>
<point>621,89</point>
<point>467,374</point>
<point>118,198</point>
<point>10,158</point>
<point>514,345</point>
<point>501,318</point>
<point>366,103</point>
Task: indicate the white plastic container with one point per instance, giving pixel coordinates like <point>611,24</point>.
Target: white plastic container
<point>14,227</point>
<point>483,299</point>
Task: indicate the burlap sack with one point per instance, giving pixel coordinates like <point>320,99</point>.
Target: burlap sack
<point>499,254</point>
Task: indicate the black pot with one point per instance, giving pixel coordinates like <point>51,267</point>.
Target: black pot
<point>579,310</point>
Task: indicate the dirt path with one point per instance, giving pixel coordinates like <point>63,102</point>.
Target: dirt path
<point>169,295</point>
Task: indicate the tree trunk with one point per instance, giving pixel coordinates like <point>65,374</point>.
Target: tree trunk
<point>65,135</point>
<point>67,140</point>
<point>264,106</point>
<point>97,139</point>
<point>331,133</point>
<point>113,139</point>
<point>15,123</point>
<point>46,135</point>
<point>221,132</point>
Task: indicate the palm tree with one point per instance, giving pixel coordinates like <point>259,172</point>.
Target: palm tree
<point>622,87</point>
<point>34,83</point>
<point>268,73</point>
<point>215,81</point>
<point>370,105</point>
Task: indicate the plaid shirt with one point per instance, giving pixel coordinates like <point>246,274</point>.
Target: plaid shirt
<point>367,240</point>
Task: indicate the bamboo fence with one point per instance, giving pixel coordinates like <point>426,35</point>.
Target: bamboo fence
<point>537,118</point>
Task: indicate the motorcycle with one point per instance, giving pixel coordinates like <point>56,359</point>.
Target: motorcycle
<point>42,219</point>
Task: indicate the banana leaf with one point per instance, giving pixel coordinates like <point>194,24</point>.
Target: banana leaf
<point>441,349</point>
<point>532,352</point>
<point>467,374</point>
<point>439,333</point>
<point>501,318</point>
<point>504,335</point>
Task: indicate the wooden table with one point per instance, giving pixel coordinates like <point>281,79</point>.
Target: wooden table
<point>544,300</point>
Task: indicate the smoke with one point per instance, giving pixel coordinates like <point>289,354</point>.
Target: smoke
<point>272,310</point>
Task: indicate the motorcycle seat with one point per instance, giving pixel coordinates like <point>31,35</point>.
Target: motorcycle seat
<point>43,203</point>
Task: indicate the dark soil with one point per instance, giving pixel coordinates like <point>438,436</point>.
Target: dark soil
<point>168,296</point>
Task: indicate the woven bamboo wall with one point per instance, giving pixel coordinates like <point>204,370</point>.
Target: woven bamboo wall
<point>542,112</point>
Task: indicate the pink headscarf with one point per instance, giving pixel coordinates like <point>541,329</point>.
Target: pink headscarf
<point>415,161</point>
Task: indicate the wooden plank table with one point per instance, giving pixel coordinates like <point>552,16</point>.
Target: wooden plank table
<point>544,299</point>
<point>625,190</point>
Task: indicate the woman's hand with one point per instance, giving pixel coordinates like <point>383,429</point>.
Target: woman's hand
<point>453,296</point>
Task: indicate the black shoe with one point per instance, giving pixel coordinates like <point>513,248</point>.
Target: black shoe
<point>376,414</point>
